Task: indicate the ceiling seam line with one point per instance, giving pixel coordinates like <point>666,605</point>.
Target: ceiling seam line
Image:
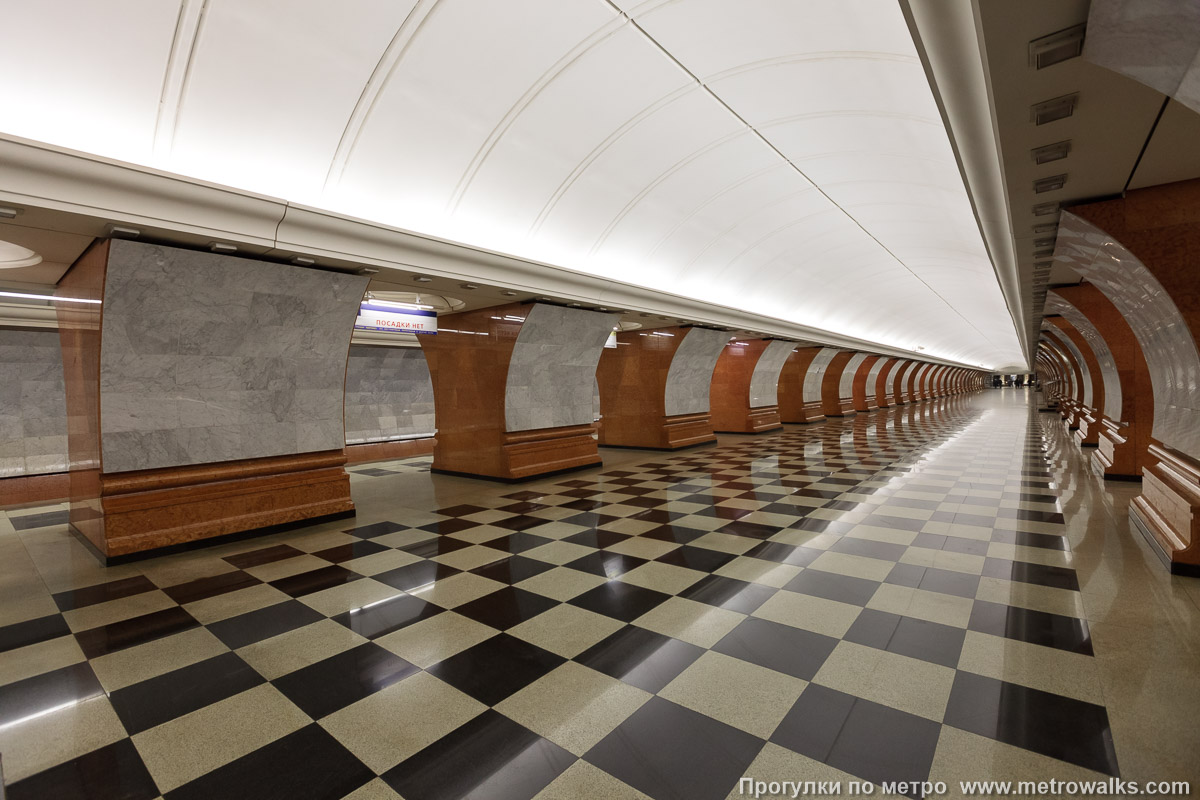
<point>799,171</point>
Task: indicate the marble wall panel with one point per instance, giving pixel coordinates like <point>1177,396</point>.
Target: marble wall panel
<point>33,409</point>
<point>1085,374</point>
<point>816,373</point>
<point>846,384</point>
<point>764,381</point>
<point>691,371</point>
<point>1104,357</point>
<point>389,394</point>
<point>1151,41</point>
<point>207,358</point>
<point>1166,340</point>
<point>552,372</point>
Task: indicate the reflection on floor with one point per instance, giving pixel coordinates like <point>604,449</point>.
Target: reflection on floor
<point>941,591</point>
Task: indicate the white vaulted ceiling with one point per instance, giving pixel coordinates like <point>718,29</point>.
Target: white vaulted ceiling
<point>785,157</point>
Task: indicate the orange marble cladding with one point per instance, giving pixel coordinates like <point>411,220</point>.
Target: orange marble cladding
<point>884,380</point>
<point>832,403</point>
<point>792,407</point>
<point>385,451</point>
<point>468,363</point>
<point>633,383</point>
<point>863,399</point>
<point>30,489</point>
<point>902,383</point>
<point>1123,444</point>
<point>1074,401</point>
<point>729,393</point>
<point>129,512</point>
<point>1161,226</point>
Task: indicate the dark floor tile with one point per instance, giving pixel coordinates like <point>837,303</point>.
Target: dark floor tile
<point>50,690</point>
<point>315,580</point>
<point>1046,541</point>
<point>446,526</point>
<point>606,564</point>
<point>102,593</point>
<point>787,509</point>
<point>415,576</point>
<point>460,510</point>
<point>785,649</point>
<point>267,555</point>
<point>853,545</point>
<point>517,542</point>
<point>907,636</point>
<point>1046,723</point>
<point>1052,517</point>
<point>842,588</point>
<point>522,507</point>
<point>783,553</point>
<point>583,504</point>
<point>345,552</point>
<point>506,607</point>
<point>866,739</point>
<point>1036,627</point>
<point>698,558</point>
<point>375,529</point>
<point>895,523</point>
<point>598,539</point>
<point>139,630</point>
<point>978,520</point>
<point>308,764</point>
<point>817,525</point>
<point>589,519</point>
<point>375,472</point>
<point>31,521</point>
<point>673,533</point>
<point>182,691</point>
<point>524,495</point>
<point>519,522</point>
<point>735,595</point>
<point>254,626</point>
<point>437,546</point>
<point>619,600</point>
<point>115,772</point>
<point>387,616</point>
<point>673,753</point>
<point>489,758</point>
<point>947,581</point>
<point>496,668</point>
<point>1026,572</point>
<point>512,570</point>
<point>327,686</point>
<point>203,588</point>
<point>23,634</point>
<point>658,515</point>
<point>641,658</point>
<point>751,530</point>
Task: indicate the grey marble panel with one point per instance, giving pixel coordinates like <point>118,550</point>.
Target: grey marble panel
<point>1104,357</point>
<point>1085,373</point>
<point>33,407</point>
<point>389,394</point>
<point>846,384</point>
<point>552,372</point>
<point>1156,42</point>
<point>816,373</point>
<point>906,376</point>
<point>207,358</point>
<point>873,377</point>
<point>1055,354</point>
<point>689,377</point>
<point>764,381</point>
<point>596,398</point>
<point>1166,341</point>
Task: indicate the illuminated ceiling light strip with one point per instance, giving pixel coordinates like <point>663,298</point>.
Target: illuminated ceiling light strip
<point>24,296</point>
<point>397,304</point>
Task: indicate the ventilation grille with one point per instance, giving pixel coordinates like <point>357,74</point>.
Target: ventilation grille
<point>1045,209</point>
<point>1050,184</point>
<point>1055,48</point>
<point>1045,242</point>
<point>1053,110</point>
<point>1045,227</point>
<point>1051,152</point>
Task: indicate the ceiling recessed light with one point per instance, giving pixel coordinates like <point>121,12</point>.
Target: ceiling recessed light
<point>422,278</point>
<point>1057,47</point>
<point>222,247</point>
<point>8,213</point>
<point>1046,242</point>
<point>14,256</point>
<point>1045,209</point>
<point>368,271</point>
<point>468,286</point>
<point>1050,184</point>
<point>507,293</point>
<point>1046,227</point>
<point>1053,110</point>
<point>303,261</point>
<point>1051,152</point>
<point>123,232</point>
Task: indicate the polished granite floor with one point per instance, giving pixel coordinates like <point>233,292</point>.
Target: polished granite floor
<point>942,591</point>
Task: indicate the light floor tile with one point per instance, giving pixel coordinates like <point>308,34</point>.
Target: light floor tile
<point>738,693</point>
<point>904,683</point>
<point>582,780</point>
<point>943,559</point>
<point>82,619</point>
<point>963,756</point>
<point>566,629</point>
<point>809,613</point>
<point>25,662</point>
<point>561,583</point>
<point>470,557</point>
<point>666,578</point>
<point>642,548</point>
<point>356,594</point>
<point>558,552</point>
<point>298,648</point>
<point>921,604</point>
<point>758,570</point>
<point>135,664</point>
<point>231,604</point>
<point>573,706</point>
<point>429,641</point>
<point>697,623</point>
<point>457,589</point>
<point>725,542</point>
<point>873,569</point>
<point>1046,668</point>
<point>42,741</point>
<point>1029,595</point>
<point>389,726</point>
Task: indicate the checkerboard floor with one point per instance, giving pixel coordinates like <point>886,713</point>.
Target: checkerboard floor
<point>889,597</point>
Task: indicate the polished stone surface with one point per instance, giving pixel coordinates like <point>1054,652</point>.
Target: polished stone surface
<point>33,406</point>
<point>691,371</point>
<point>945,590</point>
<point>816,374</point>
<point>207,358</point>
<point>389,394</point>
<point>764,381</point>
<point>1104,357</point>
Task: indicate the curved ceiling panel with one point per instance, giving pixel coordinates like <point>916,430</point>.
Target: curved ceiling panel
<point>787,158</point>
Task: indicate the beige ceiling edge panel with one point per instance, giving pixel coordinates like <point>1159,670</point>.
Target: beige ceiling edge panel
<point>947,36</point>
<point>44,176</point>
